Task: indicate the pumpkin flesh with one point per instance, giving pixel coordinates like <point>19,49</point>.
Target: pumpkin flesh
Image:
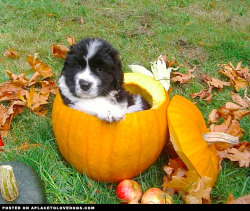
<point>116,151</point>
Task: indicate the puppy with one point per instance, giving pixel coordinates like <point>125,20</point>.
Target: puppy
<point>92,82</point>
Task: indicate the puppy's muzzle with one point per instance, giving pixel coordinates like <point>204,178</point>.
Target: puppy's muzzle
<point>85,85</point>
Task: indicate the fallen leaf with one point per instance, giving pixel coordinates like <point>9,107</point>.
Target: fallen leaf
<point>59,51</point>
<point>48,87</point>
<point>239,78</point>
<point>6,115</point>
<point>243,72</point>
<point>194,189</point>
<point>182,78</point>
<point>38,66</point>
<point>10,91</point>
<point>213,116</point>
<point>209,98</point>
<point>11,53</point>
<point>203,94</point>
<point>239,114</point>
<point>169,63</point>
<point>239,100</point>
<point>34,100</point>
<point>242,157</point>
<point>240,200</point>
<point>214,82</point>
<point>71,40</point>
<point>19,80</point>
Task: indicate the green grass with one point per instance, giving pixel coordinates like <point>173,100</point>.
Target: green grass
<point>31,26</point>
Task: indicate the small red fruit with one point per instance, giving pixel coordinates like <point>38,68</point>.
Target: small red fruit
<point>129,192</point>
<point>156,196</point>
<point>1,143</point>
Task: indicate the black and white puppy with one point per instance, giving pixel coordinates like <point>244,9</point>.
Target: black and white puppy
<point>92,81</point>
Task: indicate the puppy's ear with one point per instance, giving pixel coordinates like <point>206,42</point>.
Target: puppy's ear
<point>118,72</point>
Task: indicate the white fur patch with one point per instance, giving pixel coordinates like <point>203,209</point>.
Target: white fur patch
<point>92,48</point>
<point>137,106</point>
<point>88,76</point>
<point>105,108</point>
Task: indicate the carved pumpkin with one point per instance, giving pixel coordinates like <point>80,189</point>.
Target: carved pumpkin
<point>187,127</point>
<point>120,150</point>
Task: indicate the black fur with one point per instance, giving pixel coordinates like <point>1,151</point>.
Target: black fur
<point>105,59</point>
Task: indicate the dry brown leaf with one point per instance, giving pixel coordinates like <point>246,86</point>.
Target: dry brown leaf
<point>6,115</point>
<point>239,77</point>
<point>19,80</point>
<point>10,91</point>
<point>239,100</point>
<point>213,116</point>
<point>71,40</point>
<point>11,53</point>
<point>242,157</point>
<point>48,87</point>
<point>203,94</point>
<point>209,98</point>
<point>240,200</point>
<point>59,51</point>
<point>196,189</point>
<point>38,66</point>
<point>169,63</point>
<point>182,78</point>
<point>243,72</point>
<point>34,101</point>
<point>214,82</point>
<point>239,114</point>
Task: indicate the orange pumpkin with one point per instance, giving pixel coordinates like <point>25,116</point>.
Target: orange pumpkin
<point>120,150</point>
<point>187,127</point>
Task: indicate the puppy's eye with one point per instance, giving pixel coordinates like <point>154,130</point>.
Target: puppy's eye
<point>79,67</point>
<point>99,70</point>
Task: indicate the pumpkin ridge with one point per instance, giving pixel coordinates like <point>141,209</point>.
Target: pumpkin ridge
<point>140,144</point>
<point>126,150</point>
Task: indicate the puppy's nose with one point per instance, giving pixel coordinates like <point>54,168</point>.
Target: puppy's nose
<point>85,85</point>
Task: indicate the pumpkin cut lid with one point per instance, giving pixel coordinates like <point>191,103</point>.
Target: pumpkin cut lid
<point>186,128</point>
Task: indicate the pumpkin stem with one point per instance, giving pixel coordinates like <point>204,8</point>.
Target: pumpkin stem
<point>214,137</point>
<point>8,184</point>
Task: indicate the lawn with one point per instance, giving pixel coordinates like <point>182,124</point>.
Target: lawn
<point>199,33</point>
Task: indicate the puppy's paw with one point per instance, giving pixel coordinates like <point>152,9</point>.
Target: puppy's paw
<point>112,115</point>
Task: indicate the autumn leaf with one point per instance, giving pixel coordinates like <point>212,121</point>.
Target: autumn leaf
<point>10,91</point>
<point>204,94</point>
<point>169,63</point>
<point>214,82</point>
<point>213,116</point>
<point>48,87</point>
<point>182,78</point>
<point>59,51</point>
<point>242,157</point>
<point>238,77</point>
<point>11,53</point>
<point>37,65</point>
<point>34,100</point>
<point>240,200</point>
<point>19,80</point>
<point>6,115</point>
<point>194,189</point>
<point>71,40</point>
<point>239,100</point>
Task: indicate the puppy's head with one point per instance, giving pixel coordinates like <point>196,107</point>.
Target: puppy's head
<point>92,68</point>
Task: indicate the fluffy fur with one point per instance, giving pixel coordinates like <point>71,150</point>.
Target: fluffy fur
<point>91,81</point>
